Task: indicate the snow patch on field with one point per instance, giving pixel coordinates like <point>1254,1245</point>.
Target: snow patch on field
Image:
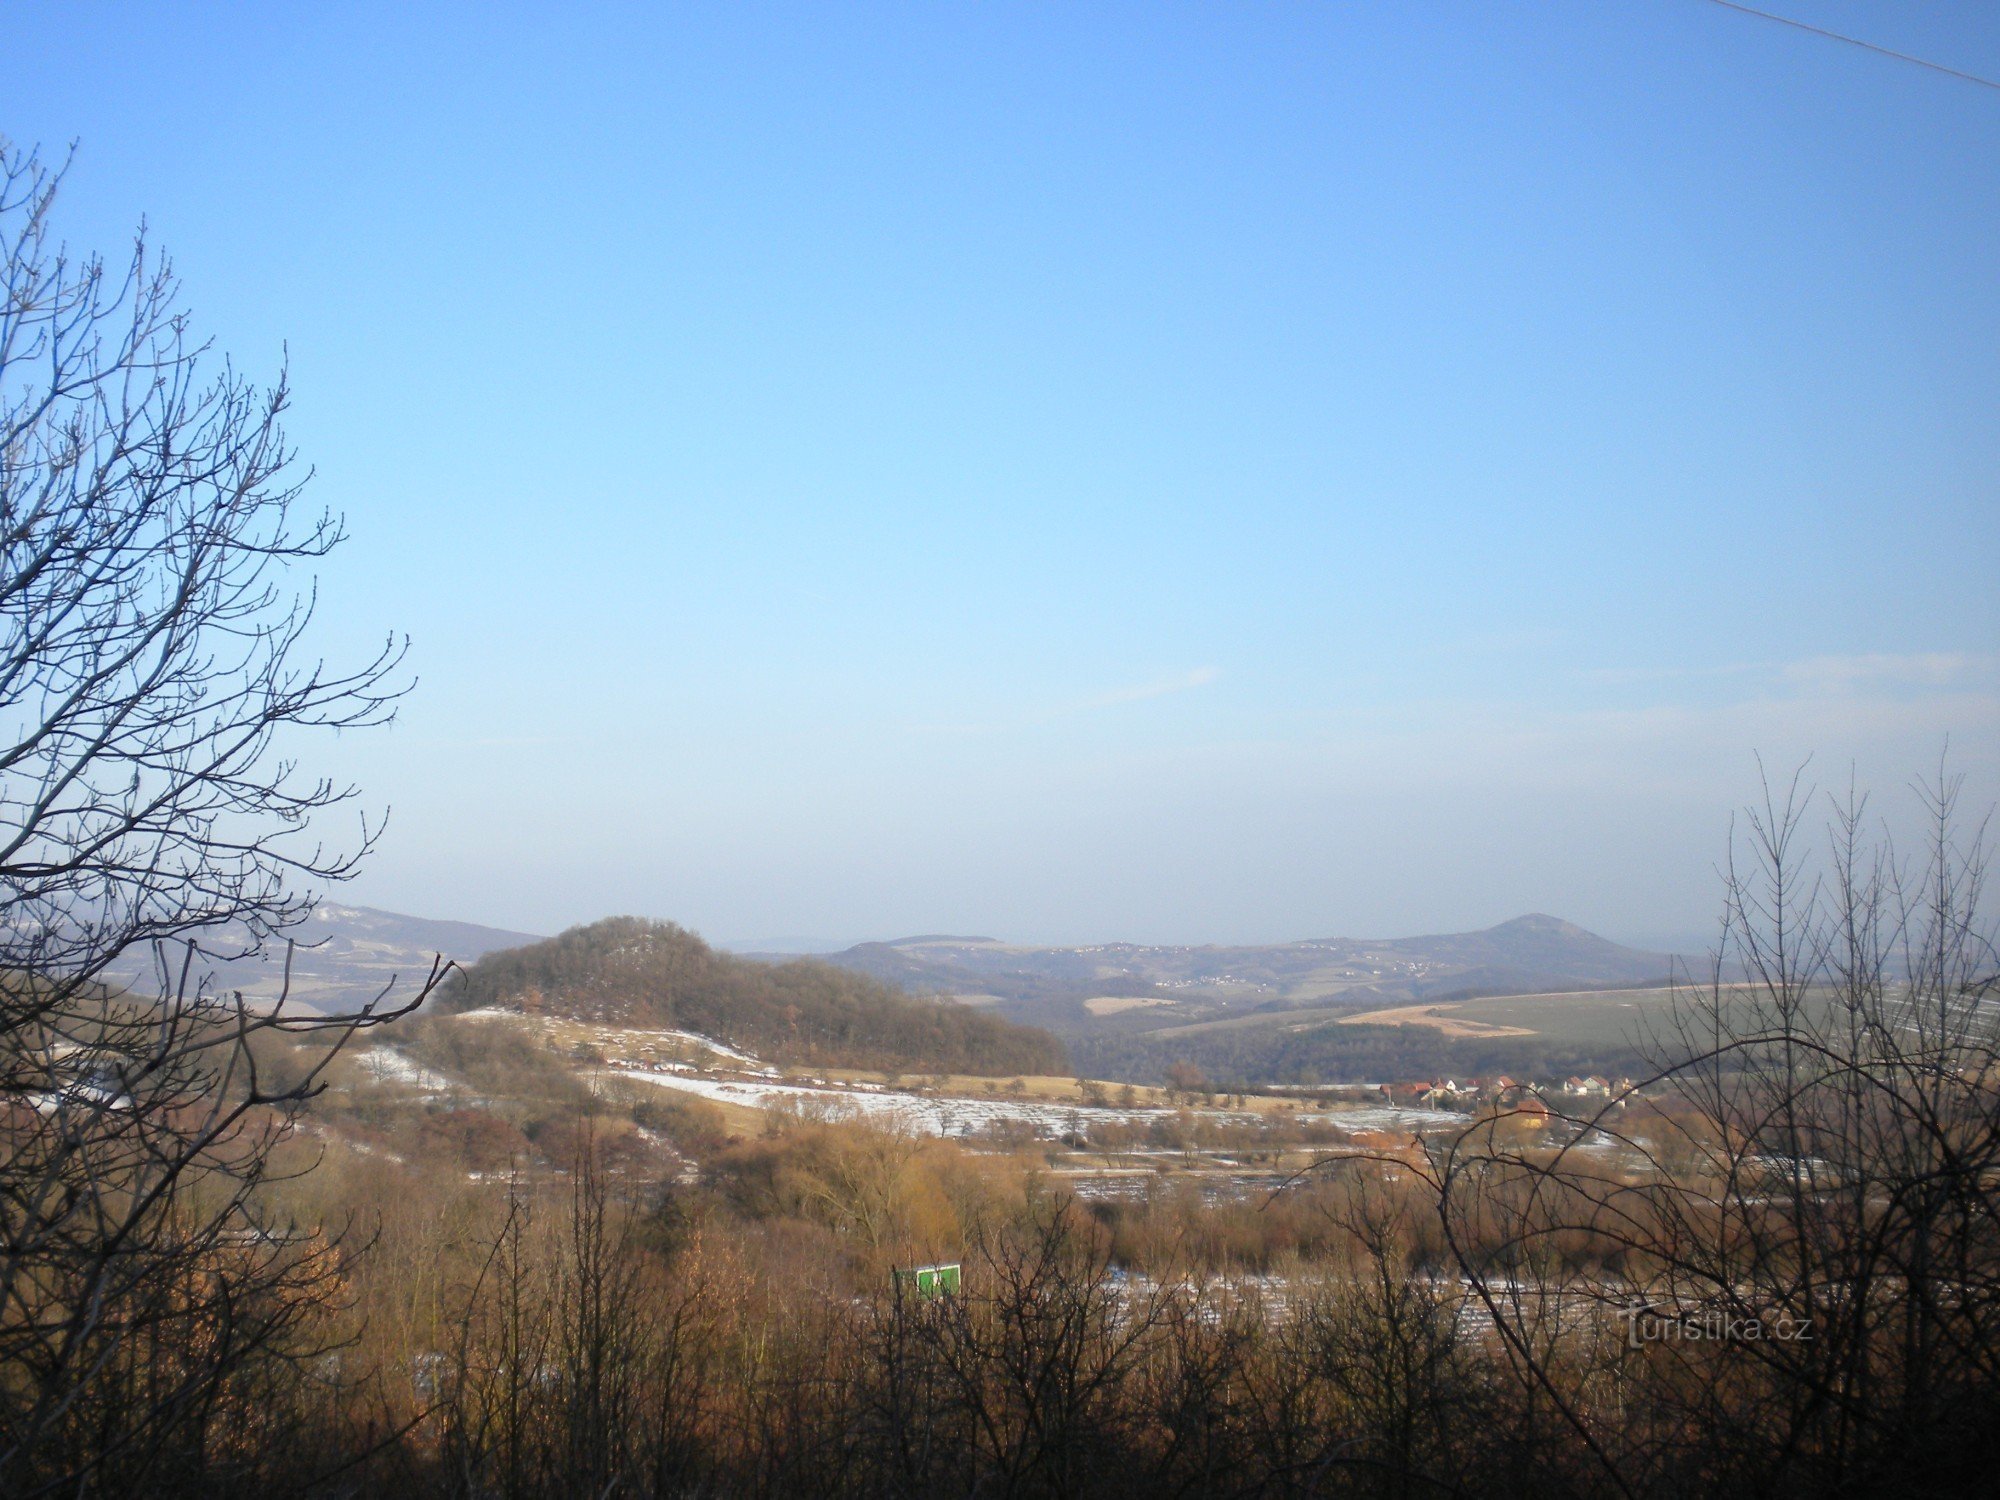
<point>634,1036</point>
<point>720,1049</point>
<point>387,1065</point>
<point>945,1116</point>
<point>923,1114</point>
<point>1397,1118</point>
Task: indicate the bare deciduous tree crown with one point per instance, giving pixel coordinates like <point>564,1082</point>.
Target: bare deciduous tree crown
<point>152,679</point>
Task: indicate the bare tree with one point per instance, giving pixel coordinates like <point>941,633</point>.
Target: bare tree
<point>154,695</point>
<point>1387,1336</point>
<point>1777,1267</point>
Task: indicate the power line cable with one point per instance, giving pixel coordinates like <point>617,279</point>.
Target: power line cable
<point>1855,41</point>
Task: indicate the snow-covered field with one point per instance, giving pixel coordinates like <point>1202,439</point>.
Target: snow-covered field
<point>712,1069</point>
<point>1393,1117</point>
<point>922,1113</point>
<point>927,1114</point>
<point>387,1065</point>
<point>722,1050</point>
<point>649,1037</point>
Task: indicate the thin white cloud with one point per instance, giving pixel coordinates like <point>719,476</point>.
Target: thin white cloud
<point>1923,669</point>
<point>1626,676</point>
<point>1184,683</point>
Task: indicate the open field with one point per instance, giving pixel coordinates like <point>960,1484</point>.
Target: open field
<point>1589,1018</point>
<point>1444,1018</point>
<point>1035,1089</point>
<point>1586,1017</point>
<point>1111,1005</point>
<point>613,1060</point>
<point>961,1115</point>
<point>1045,1086</point>
<point>1056,1089</point>
<point>1592,1016</point>
<point>1303,1015</point>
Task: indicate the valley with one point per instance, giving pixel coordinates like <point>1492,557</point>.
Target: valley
<point>1122,989</point>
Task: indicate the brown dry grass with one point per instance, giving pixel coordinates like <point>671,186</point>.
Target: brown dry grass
<point>1111,1005</point>
<point>1439,1018</point>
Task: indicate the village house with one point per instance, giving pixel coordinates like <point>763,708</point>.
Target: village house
<point>1529,1109</point>
<point>1408,1093</point>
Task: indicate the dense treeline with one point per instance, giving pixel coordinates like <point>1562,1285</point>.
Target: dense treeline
<point>629,971</point>
<point>602,1353</point>
<point>604,1331</point>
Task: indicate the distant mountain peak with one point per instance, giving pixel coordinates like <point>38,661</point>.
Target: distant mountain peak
<point>1537,921</point>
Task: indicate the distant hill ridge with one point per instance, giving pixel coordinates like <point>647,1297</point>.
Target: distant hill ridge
<point>342,957</point>
<point>349,953</point>
<point>1053,985</point>
<point>628,971</point>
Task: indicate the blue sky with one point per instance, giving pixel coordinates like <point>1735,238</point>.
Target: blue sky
<point>1168,473</point>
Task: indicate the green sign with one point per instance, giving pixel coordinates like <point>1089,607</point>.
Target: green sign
<point>929,1281</point>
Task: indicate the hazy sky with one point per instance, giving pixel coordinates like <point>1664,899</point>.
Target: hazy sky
<point>1079,472</point>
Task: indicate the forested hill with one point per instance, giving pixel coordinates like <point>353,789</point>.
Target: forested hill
<point>624,970</point>
<point>1103,989</point>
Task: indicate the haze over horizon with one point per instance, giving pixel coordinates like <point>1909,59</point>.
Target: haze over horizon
<point>1149,475</point>
<point>802,946</point>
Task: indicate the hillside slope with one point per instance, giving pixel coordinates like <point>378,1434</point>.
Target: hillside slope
<point>624,970</point>
<point>1179,985</point>
<point>343,957</point>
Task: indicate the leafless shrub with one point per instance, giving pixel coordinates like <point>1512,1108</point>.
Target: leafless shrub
<point>1783,1275</point>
